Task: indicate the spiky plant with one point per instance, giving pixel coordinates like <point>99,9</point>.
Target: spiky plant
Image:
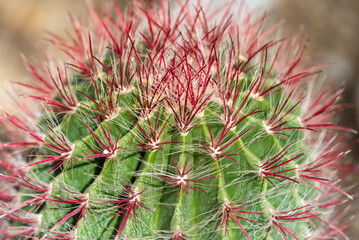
<point>174,124</point>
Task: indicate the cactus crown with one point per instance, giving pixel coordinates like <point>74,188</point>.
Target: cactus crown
<point>174,124</point>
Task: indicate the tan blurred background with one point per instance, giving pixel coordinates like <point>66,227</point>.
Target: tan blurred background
<point>22,30</point>
<point>331,25</point>
<point>333,29</point>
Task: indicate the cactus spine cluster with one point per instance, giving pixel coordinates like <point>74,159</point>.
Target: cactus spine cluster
<point>185,123</point>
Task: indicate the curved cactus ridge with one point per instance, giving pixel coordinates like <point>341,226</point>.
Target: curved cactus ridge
<point>184,123</point>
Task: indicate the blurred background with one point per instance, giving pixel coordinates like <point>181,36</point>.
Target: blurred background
<point>331,25</point>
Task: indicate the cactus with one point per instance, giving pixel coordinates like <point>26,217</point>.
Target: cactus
<point>174,124</point>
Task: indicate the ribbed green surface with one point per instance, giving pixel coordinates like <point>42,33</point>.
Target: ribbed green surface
<point>198,214</point>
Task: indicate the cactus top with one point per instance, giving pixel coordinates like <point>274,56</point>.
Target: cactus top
<point>181,122</point>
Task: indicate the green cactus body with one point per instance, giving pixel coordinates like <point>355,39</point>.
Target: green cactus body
<point>179,129</point>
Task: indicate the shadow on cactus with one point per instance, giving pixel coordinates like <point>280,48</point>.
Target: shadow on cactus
<point>174,123</point>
